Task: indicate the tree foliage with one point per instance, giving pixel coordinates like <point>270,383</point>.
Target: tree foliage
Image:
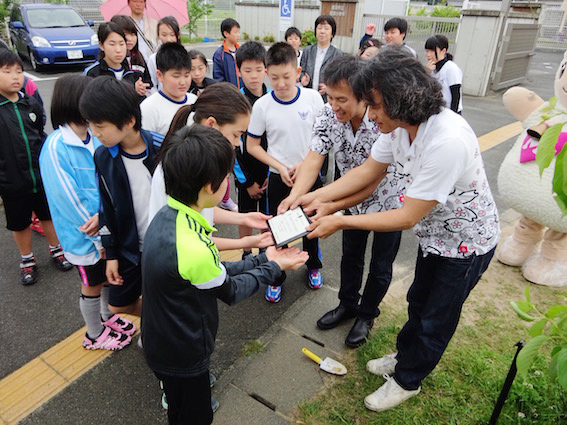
<point>197,9</point>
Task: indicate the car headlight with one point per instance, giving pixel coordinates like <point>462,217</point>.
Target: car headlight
<point>38,41</point>
<point>94,39</point>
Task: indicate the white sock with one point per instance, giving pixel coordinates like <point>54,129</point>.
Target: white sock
<point>105,312</point>
<point>90,309</point>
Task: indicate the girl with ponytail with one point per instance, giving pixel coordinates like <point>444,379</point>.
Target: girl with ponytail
<point>441,66</point>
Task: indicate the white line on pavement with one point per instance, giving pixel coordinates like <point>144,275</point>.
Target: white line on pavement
<point>36,78</point>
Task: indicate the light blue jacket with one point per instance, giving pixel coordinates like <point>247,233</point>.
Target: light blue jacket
<point>68,172</point>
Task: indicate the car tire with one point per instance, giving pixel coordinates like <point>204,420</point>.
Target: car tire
<point>35,66</point>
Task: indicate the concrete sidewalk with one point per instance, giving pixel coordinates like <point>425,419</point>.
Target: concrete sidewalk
<point>267,387</point>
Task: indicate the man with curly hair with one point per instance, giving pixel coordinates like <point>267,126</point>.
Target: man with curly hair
<point>343,125</point>
<point>447,201</point>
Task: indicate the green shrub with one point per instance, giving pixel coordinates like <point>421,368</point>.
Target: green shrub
<point>446,12</point>
<point>245,36</point>
<point>308,38</point>
<point>257,38</point>
<point>269,39</point>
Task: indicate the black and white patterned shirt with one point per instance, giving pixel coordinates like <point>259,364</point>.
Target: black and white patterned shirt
<point>351,150</point>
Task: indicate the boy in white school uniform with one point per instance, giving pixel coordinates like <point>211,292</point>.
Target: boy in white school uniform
<point>286,115</point>
<point>174,73</point>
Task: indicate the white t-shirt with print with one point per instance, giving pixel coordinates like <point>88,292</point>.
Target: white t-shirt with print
<point>444,164</point>
<point>287,125</point>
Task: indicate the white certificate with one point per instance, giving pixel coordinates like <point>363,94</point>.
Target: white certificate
<point>288,226</point>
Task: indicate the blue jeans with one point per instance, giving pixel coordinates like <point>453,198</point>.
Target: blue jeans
<point>436,297</point>
<point>384,249</point>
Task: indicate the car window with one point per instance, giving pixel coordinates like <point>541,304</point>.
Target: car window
<point>54,18</point>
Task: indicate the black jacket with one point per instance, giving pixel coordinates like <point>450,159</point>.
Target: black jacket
<point>100,68</point>
<point>247,169</point>
<point>117,221</point>
<point>21,139</point>
<point>194,89</point>
<point>179,320</point>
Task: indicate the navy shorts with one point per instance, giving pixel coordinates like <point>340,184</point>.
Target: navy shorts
<point>93,275</point>
<point>131,289</point>
<point>19,209</point>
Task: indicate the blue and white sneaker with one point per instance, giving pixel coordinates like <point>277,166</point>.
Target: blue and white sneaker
<point>274,293</point>
<point>315,279</point>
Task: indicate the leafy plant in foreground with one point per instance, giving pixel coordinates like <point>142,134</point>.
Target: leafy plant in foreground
<point>549,328</point>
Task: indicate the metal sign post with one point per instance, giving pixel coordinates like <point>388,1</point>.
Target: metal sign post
<point>286,16</point>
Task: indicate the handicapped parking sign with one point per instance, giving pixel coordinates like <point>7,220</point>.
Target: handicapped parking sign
<point>285,8</point>
<point>286,14</point>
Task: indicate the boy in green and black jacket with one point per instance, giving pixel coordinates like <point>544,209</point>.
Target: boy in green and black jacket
<point>183,276</point>
<point>21,139</point>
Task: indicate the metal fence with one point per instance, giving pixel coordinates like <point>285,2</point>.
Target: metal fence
<point>420,28</point>
<point>553,27</point>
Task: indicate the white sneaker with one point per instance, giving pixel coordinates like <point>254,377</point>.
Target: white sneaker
<point>383,366</point>
<point>388,395</point>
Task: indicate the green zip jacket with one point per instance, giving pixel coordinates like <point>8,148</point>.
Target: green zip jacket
<point>21,139</point>
<point>182,279</point>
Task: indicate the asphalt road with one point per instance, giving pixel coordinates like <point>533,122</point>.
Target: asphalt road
<point>122,389</point>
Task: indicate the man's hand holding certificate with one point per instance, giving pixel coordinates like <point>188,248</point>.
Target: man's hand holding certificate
<point>288,226</point>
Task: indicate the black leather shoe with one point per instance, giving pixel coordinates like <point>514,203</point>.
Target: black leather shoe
<point>334,317</point>
<point>359,332</point>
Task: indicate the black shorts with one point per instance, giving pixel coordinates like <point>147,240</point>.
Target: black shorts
<point>19,209</point>
<point>246,204</point>
<point>131,289</point>
<point>93,275</point>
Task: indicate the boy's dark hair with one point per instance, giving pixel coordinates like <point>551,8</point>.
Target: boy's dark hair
<point>172,56</point>
<point>399,23</point>
<point>172,23</point>
<point>371,42</point>
<point>195,54</point>
<point>409,93</point>
<point>65,101</point>
<point>281,54</point>
<point>107,99</point>
<point>290,31</point>
<point>440,41</point>
<point>9,58</point>
<point>250,51</point>
<point>341,69</point>
<point>326,19</point>
<point>227,25</point>
<point>194,157</point>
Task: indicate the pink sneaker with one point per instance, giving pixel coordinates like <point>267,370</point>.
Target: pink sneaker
<point>120,325</point>
<point>229,205</point>
<point>107,340</point>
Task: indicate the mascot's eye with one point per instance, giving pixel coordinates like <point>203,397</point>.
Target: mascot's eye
<point>562,70</point>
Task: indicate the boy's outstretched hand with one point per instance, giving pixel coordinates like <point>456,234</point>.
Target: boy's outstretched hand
<point>262,240</point>
<point>287,258</point>
<point>256,220</point>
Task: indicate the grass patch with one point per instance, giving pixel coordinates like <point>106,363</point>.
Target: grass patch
<point>465,385</point>
<point>252,348</point>
<point>189,40</point>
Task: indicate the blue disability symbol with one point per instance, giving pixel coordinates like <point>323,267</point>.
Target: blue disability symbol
<point>285,9</point>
